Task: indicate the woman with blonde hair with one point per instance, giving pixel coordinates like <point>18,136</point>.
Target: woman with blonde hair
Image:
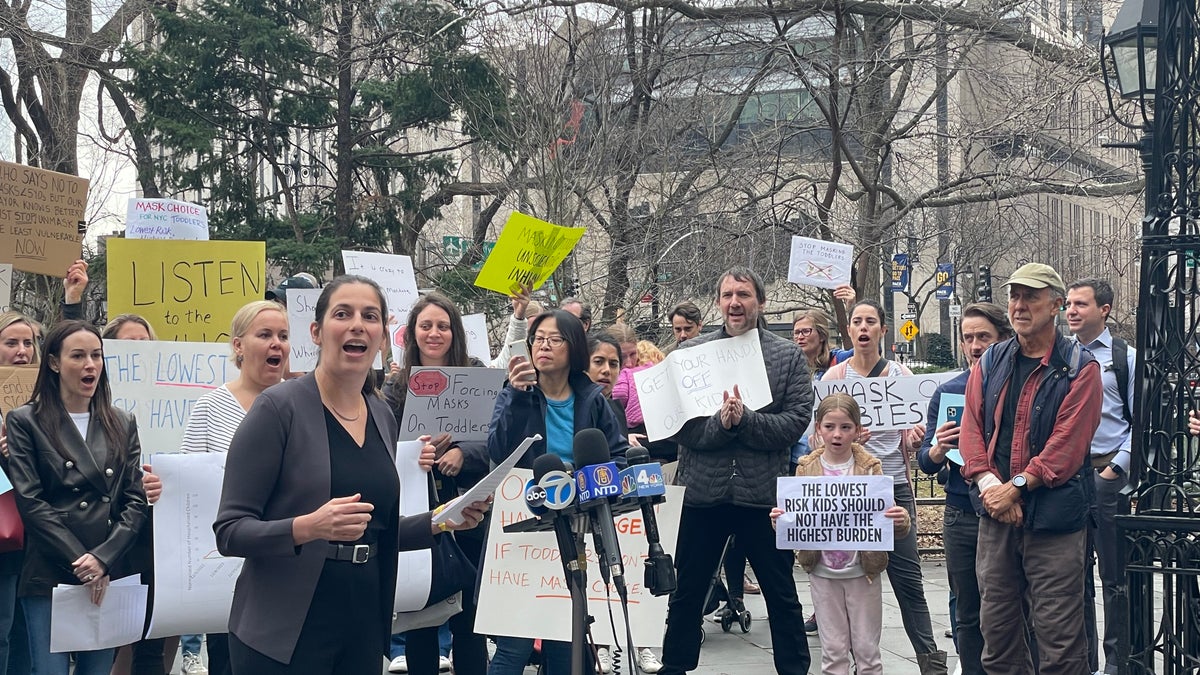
<point>128,327</point>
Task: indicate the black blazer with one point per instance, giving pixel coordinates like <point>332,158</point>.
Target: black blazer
<point>278,469</point>
<point>71,503</point>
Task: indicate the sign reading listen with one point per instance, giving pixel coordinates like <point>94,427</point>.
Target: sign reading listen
<point>188,290</point>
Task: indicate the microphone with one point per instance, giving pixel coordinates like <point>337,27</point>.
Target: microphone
<point>597,480</point>
<point>555,495</point>
<point>648,488</point>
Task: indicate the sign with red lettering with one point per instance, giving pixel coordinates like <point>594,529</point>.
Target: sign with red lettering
<point>457,401</point>
<point>165,219</point>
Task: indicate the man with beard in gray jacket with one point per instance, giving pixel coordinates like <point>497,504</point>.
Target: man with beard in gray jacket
<point>729,462</point>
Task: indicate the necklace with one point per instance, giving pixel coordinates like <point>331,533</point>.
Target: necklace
<point>344,417</point>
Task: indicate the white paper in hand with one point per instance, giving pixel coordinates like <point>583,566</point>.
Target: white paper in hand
<point>486,487</point>
<point>79,625</point>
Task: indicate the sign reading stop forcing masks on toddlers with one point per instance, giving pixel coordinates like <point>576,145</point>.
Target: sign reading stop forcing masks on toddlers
<point>835,513</point>
<point>456,401</point>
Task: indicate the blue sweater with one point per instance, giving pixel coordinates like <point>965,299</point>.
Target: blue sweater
<point>956,488</point>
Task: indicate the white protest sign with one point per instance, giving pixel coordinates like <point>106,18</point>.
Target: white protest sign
<point>835,513</point>
<point>414,569</point>
<point>816,262</point>
<point>194,583</point>
<point>165,219</point>
<point>477,337</point>
<point>691,382</point>
<point>887,403</point>
<point>456,401</point>
<point>393,273</point>
<point>301,312</point>
<point>159,382</point>
<point>524,570</point>
<point>5,287</point>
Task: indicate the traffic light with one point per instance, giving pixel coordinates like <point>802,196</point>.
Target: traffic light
<point>984,290</point>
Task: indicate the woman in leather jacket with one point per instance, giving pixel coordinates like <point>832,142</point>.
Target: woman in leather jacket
<point>74,461</point>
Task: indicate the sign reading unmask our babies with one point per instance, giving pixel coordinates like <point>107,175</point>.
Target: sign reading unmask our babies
<point>692,382</point>
<point>834,513</point>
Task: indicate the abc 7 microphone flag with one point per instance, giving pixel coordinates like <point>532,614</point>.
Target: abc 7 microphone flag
<point>555,491</point>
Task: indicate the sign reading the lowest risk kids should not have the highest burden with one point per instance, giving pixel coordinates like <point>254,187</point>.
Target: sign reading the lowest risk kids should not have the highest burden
<point>816,262</point>
<point>187,290</point>
<point>165,219</point>
<point>526,254</point>
<point>457,401</point>
<point>159,383</point>
<point>834,513</point>
<point>40,216</point>
<point>692,382</point>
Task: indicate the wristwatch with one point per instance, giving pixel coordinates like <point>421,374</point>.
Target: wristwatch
<point>1116,468</point>
<point>1019,481</point>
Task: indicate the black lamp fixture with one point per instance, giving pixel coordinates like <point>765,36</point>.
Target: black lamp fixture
<point>1132,54</point>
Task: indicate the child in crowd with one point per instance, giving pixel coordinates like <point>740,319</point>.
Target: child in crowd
<point>843,583</point>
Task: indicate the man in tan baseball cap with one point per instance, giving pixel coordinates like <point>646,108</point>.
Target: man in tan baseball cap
<point>1032,406</point>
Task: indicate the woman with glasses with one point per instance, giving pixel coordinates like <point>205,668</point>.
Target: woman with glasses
<point>550,394</point>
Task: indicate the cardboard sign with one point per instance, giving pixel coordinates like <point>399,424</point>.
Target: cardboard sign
<point>40,216</point>
<point>816,262</point>
<point>6,287</point>
<point>159,383</point>
<point>16,386</point>
<point>165,219</point>
<point>886,403</point>
<point>457,401</point>
<point>302,311</point>
<point>691,382</point>
<point>525,571</point>
<point>835,513</point>
<point>527,253</point>
<point>187,290</point>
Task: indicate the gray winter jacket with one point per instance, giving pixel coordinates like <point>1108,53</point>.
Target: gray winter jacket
<point>739,465</point>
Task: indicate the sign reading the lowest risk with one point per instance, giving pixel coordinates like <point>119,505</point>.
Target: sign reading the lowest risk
<point>526,254</point>
<point>834,513</point>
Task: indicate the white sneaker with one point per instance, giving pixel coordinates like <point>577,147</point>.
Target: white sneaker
<point>648,662</point>
<point>398,665</point>
<point>605,660</point>
<point>444,664</point>
<point>193,665</point>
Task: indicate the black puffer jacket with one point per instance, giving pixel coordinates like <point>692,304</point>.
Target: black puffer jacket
<point>739,466</point>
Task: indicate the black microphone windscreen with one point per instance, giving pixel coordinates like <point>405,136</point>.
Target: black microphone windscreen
<point>636,455</point>
<point>545,464</point>
<point>590,447</point>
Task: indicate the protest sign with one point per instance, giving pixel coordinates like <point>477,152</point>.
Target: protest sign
<point>524,570</point>
<point>527,253</point>
<point>165,219</point>
<point>394,274</point>
<point>887,402</point>
<point>159,383</point>
<point>302,311</point>
<point>194,583</point>
<point>6,287</point>
<point>187,290</point>
<point>477,337</point>
<point>691,382</point>
<point>16,386</point>
<point>40,216</point>
<point>834,513</point>
<point>457,401</point>
<point>816,262</point>
<point>414,569</point>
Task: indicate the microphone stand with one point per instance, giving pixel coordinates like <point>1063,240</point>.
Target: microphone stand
<point>570,543</point>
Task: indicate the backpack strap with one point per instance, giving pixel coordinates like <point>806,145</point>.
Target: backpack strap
<point>1120,366</point>
<point>880,366</point>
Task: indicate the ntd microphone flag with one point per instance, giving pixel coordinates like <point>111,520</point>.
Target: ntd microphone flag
<point>642,480</point>
<point>597,481</point>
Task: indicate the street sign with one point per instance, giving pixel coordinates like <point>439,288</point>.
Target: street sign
<point>909,330</point>
<point>908,316</point>
<point>955,311</point>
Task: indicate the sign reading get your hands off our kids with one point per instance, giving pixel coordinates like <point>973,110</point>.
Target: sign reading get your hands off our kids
<point>526,254</point>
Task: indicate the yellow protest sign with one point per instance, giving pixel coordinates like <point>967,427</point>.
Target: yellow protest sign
<point>16,386</point>
<point>527,252</point>
<point>187,290</point>
<point>40,214</point>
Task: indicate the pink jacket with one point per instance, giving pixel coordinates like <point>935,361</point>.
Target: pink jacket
<point>625,390</point>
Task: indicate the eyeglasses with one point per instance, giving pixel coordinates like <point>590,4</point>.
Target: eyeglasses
<point>554,341</point>
<point>804,332</point>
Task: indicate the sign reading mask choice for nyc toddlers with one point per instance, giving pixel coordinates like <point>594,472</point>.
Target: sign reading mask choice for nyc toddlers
<point>834,513</point>
<point>692,382</point>
<point>887,403</point>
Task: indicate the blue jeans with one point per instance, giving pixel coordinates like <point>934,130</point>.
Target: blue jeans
<point>37,619</point>
<point>191,643</point>
<point>444,642</point>
<point>512,654</point>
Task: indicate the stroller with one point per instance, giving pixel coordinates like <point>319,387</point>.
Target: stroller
<point>734,609</point>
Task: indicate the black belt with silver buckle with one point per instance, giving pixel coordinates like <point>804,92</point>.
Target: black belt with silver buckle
<point>355,553</point>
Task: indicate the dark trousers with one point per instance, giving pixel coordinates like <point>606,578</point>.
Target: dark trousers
<point>470,648</point>
<point>960,532</point>
<point>1103,548</point>
<point>904,573</point>
<point>1041,571</point>
<point>735,571</point>
<point>702,535</point>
